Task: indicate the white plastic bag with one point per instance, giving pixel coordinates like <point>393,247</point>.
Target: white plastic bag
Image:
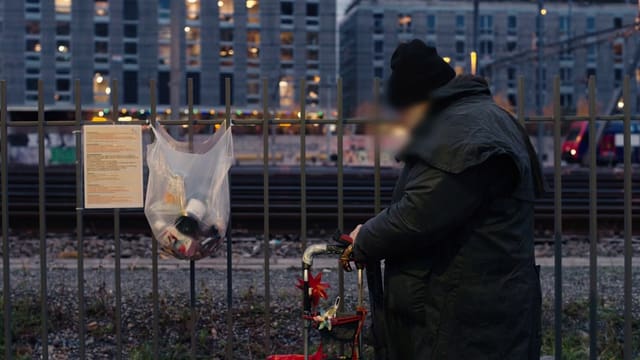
<point>187,203</point>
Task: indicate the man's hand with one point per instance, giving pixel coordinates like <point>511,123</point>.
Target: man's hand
<point>354,233</point>
<point>345,258</point>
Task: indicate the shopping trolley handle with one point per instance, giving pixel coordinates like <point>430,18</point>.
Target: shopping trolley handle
<point>318,249</point>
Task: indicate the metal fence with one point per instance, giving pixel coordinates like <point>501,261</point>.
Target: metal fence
<point>557,119</point>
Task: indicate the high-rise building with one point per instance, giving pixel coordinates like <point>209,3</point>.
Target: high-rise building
<point>579,39</point>
<point>135,41</point>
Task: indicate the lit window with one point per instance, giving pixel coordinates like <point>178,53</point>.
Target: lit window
<point>253,52</point>
<point>193,55</point>
<point>226,10</point>
<point>404,23</point>
<point>253,36</point>
<point>164,55</point>
<point>253,11</point>
<point>101,89</point>
<point>164,32</point>
<point>192,33</point>
<point>101,7</point>
<point>286,55</point>
<point>286,38</point>
<point>193,9</point>
<point>63,6</point>
<point>33,46</point>
<point>618,52</point>
<point>226,51</point>
<point>286,91</point>
<point>253,88</point>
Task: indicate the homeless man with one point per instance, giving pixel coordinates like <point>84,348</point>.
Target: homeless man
<point>460,280</point>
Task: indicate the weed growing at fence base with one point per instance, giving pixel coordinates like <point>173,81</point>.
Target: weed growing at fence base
<point>575,330</point>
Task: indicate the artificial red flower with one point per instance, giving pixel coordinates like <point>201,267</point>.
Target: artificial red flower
<point>319,355</point>
<point>318,288</point>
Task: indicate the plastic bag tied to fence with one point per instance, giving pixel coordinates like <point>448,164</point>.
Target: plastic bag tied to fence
<point>187,203</point>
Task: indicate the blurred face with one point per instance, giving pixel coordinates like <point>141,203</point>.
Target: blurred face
<point>410,117</point>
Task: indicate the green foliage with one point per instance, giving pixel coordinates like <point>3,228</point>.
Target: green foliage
<point>575,332</point>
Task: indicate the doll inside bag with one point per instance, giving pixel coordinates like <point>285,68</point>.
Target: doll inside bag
<point>187,203</point>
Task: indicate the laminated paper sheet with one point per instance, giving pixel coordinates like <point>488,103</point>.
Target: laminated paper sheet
<point>112,166</point>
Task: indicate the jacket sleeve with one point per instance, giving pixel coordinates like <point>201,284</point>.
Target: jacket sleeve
<point>433,202</point>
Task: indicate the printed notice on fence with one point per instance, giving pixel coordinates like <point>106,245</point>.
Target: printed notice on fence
<point>112,166</point>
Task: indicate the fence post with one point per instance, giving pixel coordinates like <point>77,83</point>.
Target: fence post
<point>229,344</point>
<point>628,249</point>
<point>266,236</point>
<point>42,224</point>
<point>192,263</point>
<point>79,219</point>
<point>116,236</point>
<point>154,244</point>
<point>6,276</point>
<point>557,182</point>
<point>593,224</point>
<point>340,164</point>
<point>303,163</point>
<point>376,147</point>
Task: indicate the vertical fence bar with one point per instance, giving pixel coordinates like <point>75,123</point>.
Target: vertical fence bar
<point>266,237</point>
<point>303,163</point>
<point>340,160</point>
<point>154,245</point>
<point>116,237</point>
<point>6,276</point>
<point>628,249</point>
<point>520,103</point>
<point>192,263</point>
<point>557,216</point>
<point>42,224</point>
<point>593,224</point>
<point>376,147</point>
<point>229,344</point>
<point>79,219</point>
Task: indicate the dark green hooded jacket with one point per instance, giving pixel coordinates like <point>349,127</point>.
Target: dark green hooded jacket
<point>460,275</point>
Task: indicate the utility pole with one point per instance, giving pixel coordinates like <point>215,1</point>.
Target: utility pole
<point>476,28</point>
<point>473,55</point>
<point>176,76</point>
<point>540,75</point>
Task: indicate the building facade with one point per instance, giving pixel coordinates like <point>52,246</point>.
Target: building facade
<point>170,41</point>
<point>578,39</point>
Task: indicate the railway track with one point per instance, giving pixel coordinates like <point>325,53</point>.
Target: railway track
<point>284,192</point>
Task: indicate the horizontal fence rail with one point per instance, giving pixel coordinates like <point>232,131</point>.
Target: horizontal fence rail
<point>338,195</point>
